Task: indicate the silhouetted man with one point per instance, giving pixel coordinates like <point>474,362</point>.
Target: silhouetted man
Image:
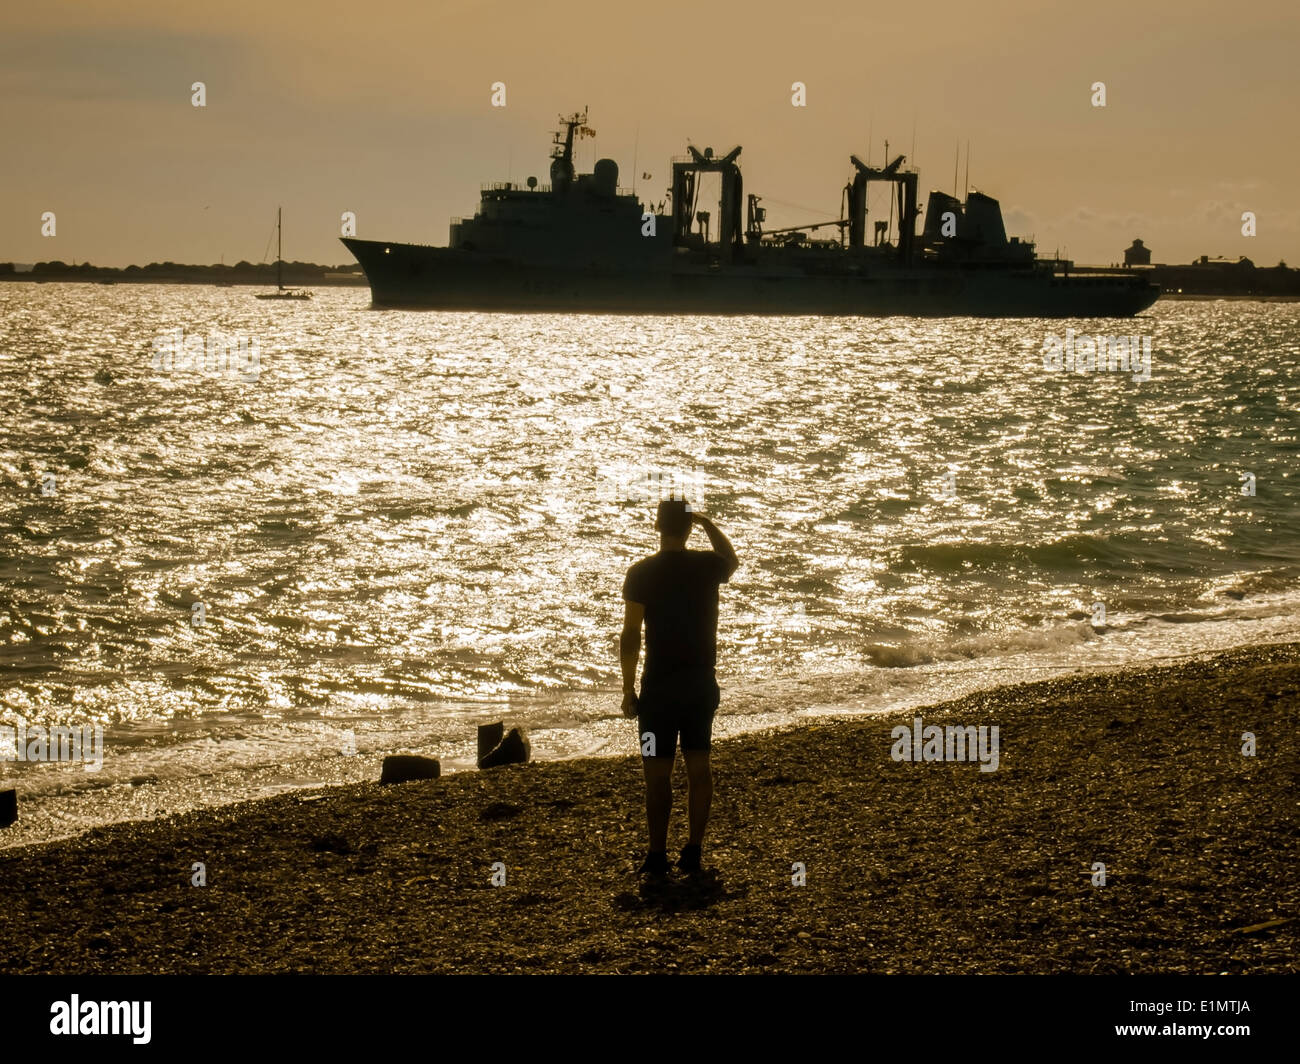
<point>675,592</point>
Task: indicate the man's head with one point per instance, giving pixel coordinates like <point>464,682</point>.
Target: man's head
<point>673,522</point>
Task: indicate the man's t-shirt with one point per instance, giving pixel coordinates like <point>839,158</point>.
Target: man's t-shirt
<point>679,589</point>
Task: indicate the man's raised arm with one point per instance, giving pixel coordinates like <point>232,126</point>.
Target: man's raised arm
<point>720,543</point>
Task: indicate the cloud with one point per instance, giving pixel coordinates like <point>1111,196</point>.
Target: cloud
<point>1019,222</point>
<point>115,65</point>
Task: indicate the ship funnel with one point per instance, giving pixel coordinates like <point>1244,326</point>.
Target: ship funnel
<point>605,177</point>
<point>984,220</point>
<point>936,226</point>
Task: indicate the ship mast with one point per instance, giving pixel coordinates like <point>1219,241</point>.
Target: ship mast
<point>562,172</point>
<point>279,248</point>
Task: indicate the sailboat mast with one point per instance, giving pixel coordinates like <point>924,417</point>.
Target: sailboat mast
<point>279,247</point>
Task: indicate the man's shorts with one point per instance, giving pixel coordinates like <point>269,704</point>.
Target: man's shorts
<point>682,705</point>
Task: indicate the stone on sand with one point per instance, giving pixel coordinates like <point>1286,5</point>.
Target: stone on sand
<point>402,768</point>
<point>514,749</point>
<point>489,738</point>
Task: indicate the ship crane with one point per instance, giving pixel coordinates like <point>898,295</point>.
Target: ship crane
<point>801,228</point>
<point>904,182</point>
<point>685,189</point>
<point>754,231</point>
<point>706,161</point>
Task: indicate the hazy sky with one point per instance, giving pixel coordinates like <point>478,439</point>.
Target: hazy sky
<point>384,108</point>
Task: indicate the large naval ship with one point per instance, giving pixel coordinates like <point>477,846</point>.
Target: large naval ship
<point>583,244</point>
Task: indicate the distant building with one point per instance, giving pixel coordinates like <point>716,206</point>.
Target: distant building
<point>1137,255</point>
<point>1219,262</point>
<point>1211,276</point>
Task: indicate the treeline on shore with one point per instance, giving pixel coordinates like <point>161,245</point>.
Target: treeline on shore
<point>293,273</point>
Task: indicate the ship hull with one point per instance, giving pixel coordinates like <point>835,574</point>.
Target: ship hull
<point>416,276</point>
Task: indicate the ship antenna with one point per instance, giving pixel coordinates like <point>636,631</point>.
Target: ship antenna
<point>956,163</point>
<point>636,143</point>
<point>890,229</point>
<point>967,193</point>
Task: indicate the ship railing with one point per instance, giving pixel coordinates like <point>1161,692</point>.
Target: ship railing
<point>514,186</point>
<point>511,186</point>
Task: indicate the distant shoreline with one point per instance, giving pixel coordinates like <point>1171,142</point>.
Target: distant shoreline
<point>263,275</point>
<point>289,282</point>
<point>909,867</point>
<point>1206,298</point>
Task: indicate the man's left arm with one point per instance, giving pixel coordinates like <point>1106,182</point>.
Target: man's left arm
<point>629,650</point>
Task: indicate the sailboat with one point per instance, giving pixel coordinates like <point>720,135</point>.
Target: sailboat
<point>280,291</point>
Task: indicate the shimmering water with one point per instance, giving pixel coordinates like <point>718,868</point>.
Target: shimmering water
<point>403,524</point>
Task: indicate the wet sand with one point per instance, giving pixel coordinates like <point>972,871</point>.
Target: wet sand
<point>931,867</point>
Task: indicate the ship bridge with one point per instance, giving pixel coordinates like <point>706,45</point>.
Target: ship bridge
<point>575,220</point>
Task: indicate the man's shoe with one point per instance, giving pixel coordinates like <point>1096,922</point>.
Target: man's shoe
<point>656,864</point>
<point>689,861</point>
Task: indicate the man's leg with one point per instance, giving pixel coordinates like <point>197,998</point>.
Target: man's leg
<point>699,782</point>
<point>658,740</point>
<point>658,799</point>
<point>697,738</point>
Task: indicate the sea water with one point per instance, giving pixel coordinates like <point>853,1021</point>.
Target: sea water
<point>264,544</point>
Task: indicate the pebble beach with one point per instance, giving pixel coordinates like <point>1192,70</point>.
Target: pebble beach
<point>824,854</point>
